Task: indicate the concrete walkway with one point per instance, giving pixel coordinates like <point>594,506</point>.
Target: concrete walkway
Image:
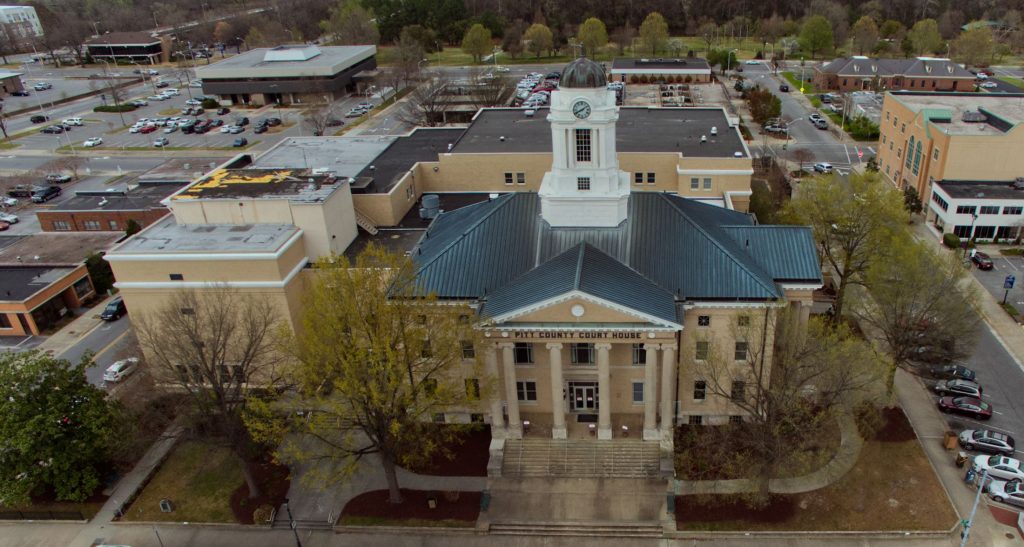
<point>846,456</point>
<point>74,331</point>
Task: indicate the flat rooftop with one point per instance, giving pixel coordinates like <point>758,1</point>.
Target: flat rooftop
<point>395,241</point>
<point>448,203</point>
<point>18,283</point>
<point>180,170</point>
<point>384,171</point>
<point>639,129</point>
<point>686,63</point>
<point>166,236</point>
<point>989,189</point>
<point>1001,111</point>
<point>141,198</point>
<point>289,61</point>
<point>299,185</point>
<point>52,248</point>
<point>343,156</point>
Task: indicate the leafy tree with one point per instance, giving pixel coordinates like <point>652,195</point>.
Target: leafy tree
<point>425,37</point>
<point>862,128</point>
<point>915,300</point>
<point>853,221</point>
<point>764,105</point>
<point>377,361</point>
<point>100,273</point>
<point>892,30</point>
<point>974,47</point>
<point>55,428</point>
<point>219,347</point>
<point>865,34</point>
<point>539,39</point>
<point>924,37</point>
<point>223,32</point>
<point>268,33</point>
<point>350,23</point>
<point>593,35</point>
<point>912,200</point>
<point>130,228</point>
<point>816,35</point>
<point>654,33</point>
<point>770,30</point>
<point>477,41</point>
<point>818,373</point>
<point>623,36</point>
<point>837,16</point>
<point>512,41</point>
<point>708,33</point>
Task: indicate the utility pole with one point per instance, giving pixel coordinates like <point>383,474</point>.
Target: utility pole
<point>970,520</point>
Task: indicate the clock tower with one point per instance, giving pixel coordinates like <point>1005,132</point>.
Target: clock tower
<point>584,187</point>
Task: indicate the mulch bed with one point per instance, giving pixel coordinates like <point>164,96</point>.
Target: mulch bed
<point>470,457</point>
<point>896,428</point>
<point>704,509</point>
<point>273,480</point>
<point>375,504</point>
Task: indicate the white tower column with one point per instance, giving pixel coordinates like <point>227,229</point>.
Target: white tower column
<point>650,392</point>
<point>515,424</point>
<point>491,367</point>
<point>668,385</point>
<point>604,393</point>
<point>558,430</point>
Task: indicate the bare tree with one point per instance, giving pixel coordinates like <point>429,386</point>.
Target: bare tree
<point>62,164</point>
<point>219,347</point>
<point>319,118</point>
<point>802,156</point>
<point>489,89</point>
<point>428,102</point>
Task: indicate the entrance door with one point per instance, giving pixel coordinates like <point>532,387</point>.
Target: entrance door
<point>583,396</point>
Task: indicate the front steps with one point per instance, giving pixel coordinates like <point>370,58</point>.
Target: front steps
<point>618,458</point>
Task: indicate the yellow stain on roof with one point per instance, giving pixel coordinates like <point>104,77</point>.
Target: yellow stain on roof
<point>224,177</point>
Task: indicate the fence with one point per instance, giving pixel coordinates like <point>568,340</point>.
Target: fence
<point>42,515</point>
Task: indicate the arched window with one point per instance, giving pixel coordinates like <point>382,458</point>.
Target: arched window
<point>917,157</point>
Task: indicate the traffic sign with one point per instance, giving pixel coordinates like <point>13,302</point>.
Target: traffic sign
<point>1008,282</point>
<point>860,153</point>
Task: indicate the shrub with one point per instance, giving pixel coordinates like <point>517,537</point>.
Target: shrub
<point>114,108</point>
<point>688,78</point>
<point>634,79</point>
<point>951,240</point>
<point>210,104</point>
<point>262,514</point>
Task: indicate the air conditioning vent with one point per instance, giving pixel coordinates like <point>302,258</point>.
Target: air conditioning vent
<point>973,116</point>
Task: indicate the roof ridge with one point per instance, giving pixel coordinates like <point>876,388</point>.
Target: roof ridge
<point>582,249</point>
<point>466,231</point>
<point>700,229</point>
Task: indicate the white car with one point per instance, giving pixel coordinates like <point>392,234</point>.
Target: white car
<point>172,91</point>
<point>193,102</point>
<point>136,128</point>
<point>999,467</point>
<point>8,202</point>
<point>152,72</point>
<point>501,69</point>
<point>752,62</point>
<point>8,218</point>
<point>1011,492</point>
<point>73,121</point>
<point>988,85</point>
<point>195,83</point>
<point>170,128</point>
<point>157,98</point>
<point>120,369</point>
<point>226,128</point>
<point>982,76</point>
<point>94,141</point>
<point>823,167</point>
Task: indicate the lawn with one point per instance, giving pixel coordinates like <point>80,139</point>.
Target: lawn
<point>198,478</point>
<point>453,509</point>
<point>1012,81</point>
<point>794,81</point>
<point>892,487</point>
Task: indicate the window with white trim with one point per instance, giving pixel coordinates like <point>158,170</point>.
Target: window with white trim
<point>707,183</point>
<point>638,178</point>
<point>740,353</point>
<point>61,226</point>
<point>91,225</point>
<point>638,392</point>
<point>639,354</point>
<point>583,183</point>
<point>509,178</point>
<point>581,354</point>
<point>583,152</point>
<point>703,348</point>
<point>522,353</point>
<point>700,390</point>
<point>468,351</point>
<point>694,183</point>
<point>520,178</point>
<point>650,178</point>
<point>739,390</point>
<point>526,390</point>
<point>703,320</point>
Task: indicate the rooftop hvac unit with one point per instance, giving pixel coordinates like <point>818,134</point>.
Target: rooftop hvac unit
<point>431,206</point>
<point>1018,183</point>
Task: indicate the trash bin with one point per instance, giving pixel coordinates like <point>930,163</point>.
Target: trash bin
<point>432,501</point>
<point>969,476</point>
<point>949,440</point>
<point>961,459</point>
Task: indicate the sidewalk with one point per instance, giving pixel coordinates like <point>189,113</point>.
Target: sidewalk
<point>74,331</point>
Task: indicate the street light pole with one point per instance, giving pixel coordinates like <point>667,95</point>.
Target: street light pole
<point>970,520</point>
<point>291,523</point>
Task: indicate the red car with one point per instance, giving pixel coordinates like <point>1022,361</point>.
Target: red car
<point>4,225</point>
<point>982,260</point>
<point>968,406</point>
<point>148,129</point>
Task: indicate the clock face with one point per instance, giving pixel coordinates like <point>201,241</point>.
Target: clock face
<point>581,109</point>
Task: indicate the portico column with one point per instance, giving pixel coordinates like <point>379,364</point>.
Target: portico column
<point>557,395</point>
<point>515,425</point>
<point>491,366</point>
<point>650,392</point>
<point>604,393</point>
<point>668,385</point>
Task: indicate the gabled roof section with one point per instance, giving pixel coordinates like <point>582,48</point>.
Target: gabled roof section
<point>787,253</point>
<point>584,269</point>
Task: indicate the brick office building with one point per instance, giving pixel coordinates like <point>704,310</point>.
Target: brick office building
<point>919,74</point>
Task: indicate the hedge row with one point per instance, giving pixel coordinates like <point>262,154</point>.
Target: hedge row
<point>114,108</point>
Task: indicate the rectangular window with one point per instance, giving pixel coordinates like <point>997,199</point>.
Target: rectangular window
<point>940,202</point>
<point>583,145</point>
<point>61,226</point>
<point>508,178</point>
<point>583,183</point>
<point>735,419</point>
<point>91,225</point>
<point>582,354</point>
<point>468,351</point>
<point>526,391</point>
<point>743,321</point>
<point>638,392</point>
<point>935,154</point>
<point>650,178</point>
<point>176,277</point>
<point>5,322</point>
<point>473,388</point>
<point>702,350</point>
<point>696,420</point>
<point>113,225</point>
<point>883,139</point>
<point>426,351</point>
<point>989,209</point>
<point>700,390</point>
<point>741,351</point>
<point>638,178</point>
<point>187,311</point>
<point>703,320</point>
<point>523,353</point>
<point>984,232</point>
<point>1012,210</point>
<point>707,183</point>
<point>520,178</point>
<point>903,128</point>
<point>639,354</point>
<point>694,183</point>
<point>966,209</point>
<point>739,388</point>
<point>962,231</point>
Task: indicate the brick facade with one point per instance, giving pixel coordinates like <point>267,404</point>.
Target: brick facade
<point>847,82</point>
<point>97,221</point>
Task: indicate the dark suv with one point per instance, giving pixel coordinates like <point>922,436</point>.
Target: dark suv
<point>38,118</point>
<point>45,193</point>
<point>982,260</point>
<point>114,310</point>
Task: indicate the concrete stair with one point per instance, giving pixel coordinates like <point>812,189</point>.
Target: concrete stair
<point>616,458</point>
<point>365,223</point>
<point>580,529</point>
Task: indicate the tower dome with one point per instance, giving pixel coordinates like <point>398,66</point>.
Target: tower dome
<point>583,72</point>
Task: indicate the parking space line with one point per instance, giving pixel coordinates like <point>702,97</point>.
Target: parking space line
<point>1008,261</point>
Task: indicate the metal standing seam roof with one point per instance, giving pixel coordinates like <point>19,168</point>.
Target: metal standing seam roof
<point>586,269</point>
<point>685,247</point>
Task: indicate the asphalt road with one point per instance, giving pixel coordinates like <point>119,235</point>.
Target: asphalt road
<point>104,342</point>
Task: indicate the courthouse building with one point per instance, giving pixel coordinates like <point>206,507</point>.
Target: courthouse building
<point>605,251</point>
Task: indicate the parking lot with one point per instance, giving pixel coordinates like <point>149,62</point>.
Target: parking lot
<point>62,89</point>
<point>1001,267</point>
<point>868,104</point>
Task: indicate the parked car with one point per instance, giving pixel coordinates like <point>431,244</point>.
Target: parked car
<point>170,129</point>
<point>365,106</point>
<point>139,102</point>
<point>260,129</point>
<point>52,130</point>
<point>73,121</point>
<point>968,406</point>
<point>114,310</point>
<point>59,178</point>
<point>39,118</point>
<point>22,190</point>
<point>161,142</point>
<point>823,167</point>
<point>235,129</point>
<point>776,129</point>
<point>195,83</point>
<point>784,88</point>
<point>987,441</point>
<point>120,369</point>
<point>999,467</point>
<point>815,117</point>
<point>45,194</point>
<point>162,84</point>
<point>21,93</point>
<point>821,124</point>
<point>8,202</point>
<point>9,218</point>
<point>240,142</point>
<point>4,226</point>
<point>42,86</point>
<point>355,113</point>
<point>153,72</point>
<point>958,387</point>
<point>216,123</point>
<point>193,102</point>
<point>157,98</point>
<point>952,372</point>
<point>1011,492</point>
<point>982,260</point>
<point>147,129</point>
<point>223,110</point>
<point>92,141</point>
<point>988,85</point>
<point>273,122</point>
<point>242,121</point>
